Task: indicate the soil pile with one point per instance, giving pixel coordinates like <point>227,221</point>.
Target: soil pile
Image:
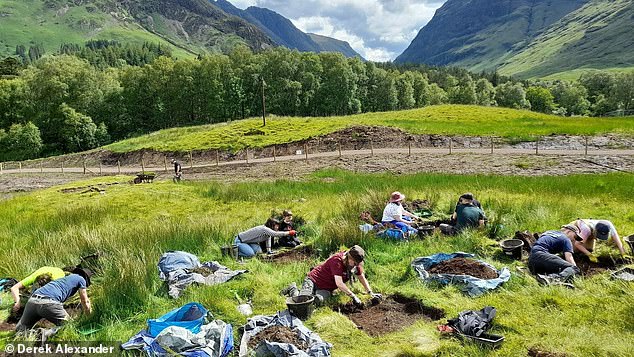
<point>391,315</point>
<point>281,334</point>
<point>605,264</point>
<point>6,326</point>
<point>528,239</point>
<point>295,255</point>
<point>462,266</point>
<point>536,352</point>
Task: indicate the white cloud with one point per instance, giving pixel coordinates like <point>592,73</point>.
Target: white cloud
<point>378,29</point>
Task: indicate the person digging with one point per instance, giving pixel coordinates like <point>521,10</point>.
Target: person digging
<point>466,215</point>
<point>47,302</point>
<point>596,229</point>
<point>37,279</point>
<point>333,274</point>
<point>544,261</point>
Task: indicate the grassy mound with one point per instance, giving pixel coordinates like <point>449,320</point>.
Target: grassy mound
<point>134,224</point>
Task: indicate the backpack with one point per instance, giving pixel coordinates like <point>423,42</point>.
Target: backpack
<point>392,233</point>
<point>474,323</point>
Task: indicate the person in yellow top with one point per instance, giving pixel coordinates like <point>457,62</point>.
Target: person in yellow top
<point>43,274</point>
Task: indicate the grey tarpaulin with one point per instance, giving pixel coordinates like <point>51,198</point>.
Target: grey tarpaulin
<point>316,347</point>
<point>175,268</point>
<point>472,285</point>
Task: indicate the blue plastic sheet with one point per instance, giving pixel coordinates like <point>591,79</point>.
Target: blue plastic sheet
<point>471,285</point>
<point>191,317</point>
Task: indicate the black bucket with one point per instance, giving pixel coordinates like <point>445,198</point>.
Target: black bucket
<point>426,230</point>
<point>630,241</point>
<point>512,248</point>
<point>230,250</point>
<point>301,306</point>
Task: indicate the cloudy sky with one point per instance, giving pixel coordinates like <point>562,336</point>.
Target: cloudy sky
<point>378,29</point>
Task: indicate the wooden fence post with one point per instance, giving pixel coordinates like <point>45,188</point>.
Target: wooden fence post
<point>409,148</point>
<point>274,146</point>
<point>492,144</point>
<point>165,161</point>
<point>1,168</point>
<point>41,168</point>
<point>339,147</point>
<point>371,148</point>
<point>537,146</point>
<point>247,155</point>
<point>191,161</point>
<point>586,152</point>
<point>20,166</point>
<point>62,166</point>
<point>450,145</point>
<point>84,165</point>
<point>217,158</point>
<point>306,151</point>
<point>142,164</point>
<point>99,167</point>
<point>118,167</point>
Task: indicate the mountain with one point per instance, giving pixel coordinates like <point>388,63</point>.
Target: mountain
<point>526,37</point>
<point>284,33</point>
<point>191,26</point>
<point>329,44</point>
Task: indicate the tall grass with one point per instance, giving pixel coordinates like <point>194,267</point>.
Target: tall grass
<point>132,225</point>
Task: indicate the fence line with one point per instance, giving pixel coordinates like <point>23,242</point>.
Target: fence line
<point>293,151</point>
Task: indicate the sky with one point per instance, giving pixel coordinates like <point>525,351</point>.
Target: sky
<point>379,30</point>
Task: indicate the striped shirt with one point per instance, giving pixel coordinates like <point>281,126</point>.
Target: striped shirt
<point>259,234</point>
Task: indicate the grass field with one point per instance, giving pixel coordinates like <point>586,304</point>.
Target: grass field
<point>134,224</point>
<point>443,119</point>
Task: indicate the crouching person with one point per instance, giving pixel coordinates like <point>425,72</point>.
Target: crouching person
<point>334,273</point>
<point>544,258</point>
<point>47,301</point>
<point>38,278</point>
<point>248,242</point>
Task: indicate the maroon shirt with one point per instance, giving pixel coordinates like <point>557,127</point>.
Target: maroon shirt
<point>324,275</point>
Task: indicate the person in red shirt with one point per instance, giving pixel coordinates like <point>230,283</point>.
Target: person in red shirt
<point>334,273</point>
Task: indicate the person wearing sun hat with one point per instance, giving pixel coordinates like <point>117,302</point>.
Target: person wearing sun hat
<point>544,259</point>
<point>47,302</point>
<point>594,229</point>
<point>395,214</point>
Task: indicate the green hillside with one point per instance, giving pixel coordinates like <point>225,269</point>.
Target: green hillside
<point>442,119</point>
<point>189,26</point>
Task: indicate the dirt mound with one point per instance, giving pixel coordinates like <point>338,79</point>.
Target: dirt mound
<point>280,334</point>
<point>528,239</point>
<point>536,352</point>
<point>462,266</point>
<point>391,315</point>
<point>298,254</point>
<point>605,264</point>
<point>7,326</point>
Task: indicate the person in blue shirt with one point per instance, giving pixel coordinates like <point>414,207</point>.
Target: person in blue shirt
<point>47,302</point>
<point>544,258</point>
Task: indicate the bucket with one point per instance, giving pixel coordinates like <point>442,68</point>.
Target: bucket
<point>301,306</point>
<point>630,241</point>
<point>426,230</point>
<point>512,248</point>
<point>230,250</point>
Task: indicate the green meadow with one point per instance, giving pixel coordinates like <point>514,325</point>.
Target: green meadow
<point>134,224</point>
<point>470,120</point>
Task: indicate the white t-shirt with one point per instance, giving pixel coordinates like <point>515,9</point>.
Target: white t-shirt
<point>592,223</point>
<point>391,210</point>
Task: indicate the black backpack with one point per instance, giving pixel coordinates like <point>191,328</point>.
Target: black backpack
<point>474,323</point>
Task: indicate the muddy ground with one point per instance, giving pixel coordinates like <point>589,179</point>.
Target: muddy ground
<point>392,314</point>
<point>538,352</point>
<point>280,334</point>
<point>463,266</point>
<point>299,254</point>
<point>605,264</point>
<point>7,326</point>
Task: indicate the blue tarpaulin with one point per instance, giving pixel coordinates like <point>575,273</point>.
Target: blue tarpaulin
<point>190,317</point>
<point>472,285</point>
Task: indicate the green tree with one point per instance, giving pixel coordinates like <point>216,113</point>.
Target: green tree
<point>485,92</point>
<point>541,99</point>
<point>405,91</point>
<point>623,91</point>
<point>78,131</point>
<point>421,89</point>
<point>437,95</point>
<point>463,92</point>
<point>511,95</point>
<point>572,96</point>
<point>21,142</point>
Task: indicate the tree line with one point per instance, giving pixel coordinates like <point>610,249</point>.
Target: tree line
<point>89,97</point>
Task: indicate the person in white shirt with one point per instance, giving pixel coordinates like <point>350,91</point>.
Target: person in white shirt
<point>395,214</point>
<point>597,229</point>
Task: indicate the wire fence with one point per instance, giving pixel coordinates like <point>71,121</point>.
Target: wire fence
<point>100,163</point>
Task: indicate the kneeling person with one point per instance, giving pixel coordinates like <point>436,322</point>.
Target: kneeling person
<point>334,273</point>
<point>543,258</point>
<point>38,278</point>
<point>47,301</point>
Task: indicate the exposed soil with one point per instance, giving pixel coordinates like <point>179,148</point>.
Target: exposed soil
<point>604,264</point>
<point>280,334</point>
<point>463,266</point>
<point>7,326</point>
<point>392,314</point>
<point>537,352</point>
<point>528,238</point>
<point>298,254</point>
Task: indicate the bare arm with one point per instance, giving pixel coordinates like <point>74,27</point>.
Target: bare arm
<point>85,301</point>
<point>365,283</point>
<point>15,294</point>
<point>569,258</point>
<point>582,248</point>
<point>342,286</point>
<point>618,242</point>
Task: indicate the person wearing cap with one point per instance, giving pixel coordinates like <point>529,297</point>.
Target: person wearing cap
<point>249,241</point>
<point>466,215</point>
<point>593,229</point>
<point>395,214</point>
<point>38,278</point>
<point>286,225</point>
<point>544,259</point>
<point>47,302</point>
<point>334,273</point>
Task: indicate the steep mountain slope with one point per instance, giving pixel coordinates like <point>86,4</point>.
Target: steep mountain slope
<point>599,35</point>
<point>193,26</point>
<point>284,33</point>
<point>329,44</point>
<point>480,34</point>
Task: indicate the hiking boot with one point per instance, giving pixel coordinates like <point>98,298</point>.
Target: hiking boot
<point>290,291</point>
<point>543,279</point>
